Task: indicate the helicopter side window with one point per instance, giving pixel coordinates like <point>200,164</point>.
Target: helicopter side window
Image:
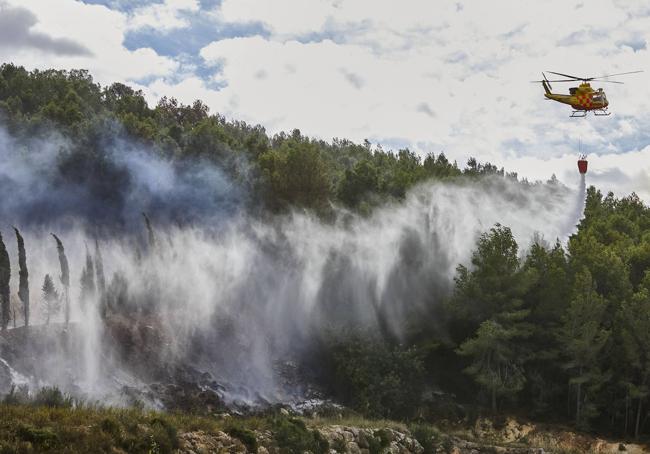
<point>573,90</point>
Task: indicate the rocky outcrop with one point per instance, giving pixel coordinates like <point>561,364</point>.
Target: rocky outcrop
<point>509,437</point>
<point>364,441</point>
<point>201,443</point>
<point>341,439</point>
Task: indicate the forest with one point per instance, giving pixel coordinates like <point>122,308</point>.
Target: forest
<point>556,331</point>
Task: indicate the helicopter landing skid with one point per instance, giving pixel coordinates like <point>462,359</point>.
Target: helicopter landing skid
<point>583,113</point>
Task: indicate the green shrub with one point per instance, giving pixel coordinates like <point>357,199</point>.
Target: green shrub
<point>110,426</point>
<point>17,396</point>
<point>380,440</point>
<point>52,397</point>
<point>247,437</point>
<point>42,438</point>
<point>293,437</point>
<point>375,378</point>
<point>164,435</point>
<point>426,436</point>
<point>339,445</point>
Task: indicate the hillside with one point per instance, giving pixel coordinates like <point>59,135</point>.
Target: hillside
<point>170,259</point>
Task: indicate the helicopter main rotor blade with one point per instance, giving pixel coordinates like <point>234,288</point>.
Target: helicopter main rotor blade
<point>567,75</point>
<point>560,80</point>
<point>610,82</point>
<point>612,75</point>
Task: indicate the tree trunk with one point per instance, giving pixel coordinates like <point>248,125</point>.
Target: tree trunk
<point>578,396</point>
<point>494,400</point>
<point>627,412</point>
<point>638,420</point>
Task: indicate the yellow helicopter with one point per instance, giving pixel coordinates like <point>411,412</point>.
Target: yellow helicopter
<point>582,98</point>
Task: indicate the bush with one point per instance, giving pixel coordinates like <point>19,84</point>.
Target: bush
<point>17,396</point>
<point>164,436</point>
<point>376,378</point>
<point>247,437</point>
<point>52,397</point>
<point>426,436</point>
<point>41,438</point>
<point>110,426</point>
<point>379,442</point>
<point>293,437</point>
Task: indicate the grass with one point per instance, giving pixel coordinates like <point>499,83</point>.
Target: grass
<point>50,422</point>
<point>40,428</point>
<point>357,421</point>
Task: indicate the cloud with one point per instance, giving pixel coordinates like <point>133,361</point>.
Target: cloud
<point>100,29</point>
<point>163,17</point>
<point>426,109</point>
<point>16,32</point>
<point>354,79</point>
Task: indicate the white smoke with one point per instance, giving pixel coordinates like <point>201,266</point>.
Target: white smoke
<point>255,292</point>
<point>229,293</point>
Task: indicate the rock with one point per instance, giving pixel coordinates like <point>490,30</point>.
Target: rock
<point>353,448</point>
<point>363,440</point>
<point>5,378</point>
<point>284,412</point>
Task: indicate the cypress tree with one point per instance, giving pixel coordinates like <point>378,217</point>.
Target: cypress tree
<point>65,277</point>
<point>23,290</point>
<point>100,280</point>
<point>5,276</point>
<point>150,233</point>
<point>88,278</point>
<point>99,270</point>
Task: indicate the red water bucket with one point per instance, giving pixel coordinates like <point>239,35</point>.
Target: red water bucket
<point>582,165</point>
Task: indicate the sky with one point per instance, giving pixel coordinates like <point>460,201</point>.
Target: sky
<point>431,76</point>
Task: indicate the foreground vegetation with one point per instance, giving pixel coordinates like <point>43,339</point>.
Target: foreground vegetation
<point>50,423</point>
<point>558,333</point>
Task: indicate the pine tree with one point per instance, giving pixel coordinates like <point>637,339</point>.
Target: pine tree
<point>5,276</point>
<point>51,301</point>
<point>635,335</point>
<point>496,364</point>
<point>493,284</point>
<point>582,338</point>
<point>23,291</point>
<point>491,294</point>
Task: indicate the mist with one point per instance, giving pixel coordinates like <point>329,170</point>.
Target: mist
<point>222,290</point>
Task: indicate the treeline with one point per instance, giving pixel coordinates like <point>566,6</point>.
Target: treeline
<point>550,333</point>
<point>278,172</point>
